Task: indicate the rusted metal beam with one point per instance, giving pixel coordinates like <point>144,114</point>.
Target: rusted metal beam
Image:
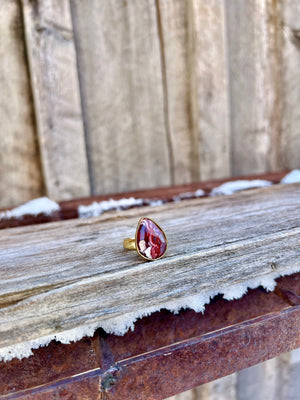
<point>69,209</point>
<point>182,366</point>
<point>165,354</point>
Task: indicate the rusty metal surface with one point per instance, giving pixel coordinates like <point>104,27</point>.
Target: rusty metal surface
<point>82,387</point>
<point>29,220</point>
<point>48,364</point>
<point>164,328</point>
<point>182,366</point>
<point>166,354</point>
<point>69,207</point>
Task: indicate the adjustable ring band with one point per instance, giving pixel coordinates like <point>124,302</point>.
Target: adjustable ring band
<point>129,244</point>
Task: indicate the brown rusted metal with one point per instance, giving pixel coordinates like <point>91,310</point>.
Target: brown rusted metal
<point>164,355</point>
<point>164,328</point>
<point>167,194</point>
<point>29,220</point>
<point>54,362</point>
<point>173,369</point>
<point>81,387</point>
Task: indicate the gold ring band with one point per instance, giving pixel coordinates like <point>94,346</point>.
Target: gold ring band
<point>129,244</point>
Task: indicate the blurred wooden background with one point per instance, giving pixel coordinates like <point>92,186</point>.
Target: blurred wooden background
<point>106,96</point>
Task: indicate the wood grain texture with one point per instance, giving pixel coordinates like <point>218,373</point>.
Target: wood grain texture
<point>53,69</point>
<point>173,24</point>
<point>122,94</point>
<point>20,172</point>
<point>254,67</point>
<point>208,89</point>
<point>68,274</point>
<point>291,83</point>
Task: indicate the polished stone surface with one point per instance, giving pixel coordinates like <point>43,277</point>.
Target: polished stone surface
<point>151,240</point>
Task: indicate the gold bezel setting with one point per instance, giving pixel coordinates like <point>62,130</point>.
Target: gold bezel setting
<point>132,244</point>
<point>136,244</point>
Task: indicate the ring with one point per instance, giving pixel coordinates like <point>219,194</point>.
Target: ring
<point>150,240</point>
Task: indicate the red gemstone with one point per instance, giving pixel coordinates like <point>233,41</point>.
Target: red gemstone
<point>151,240</point>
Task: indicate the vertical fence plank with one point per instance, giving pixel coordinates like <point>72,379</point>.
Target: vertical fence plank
<point>268,380</point>
<point>292,384</point>
<point>254,55</point>
<point>53,70</point>
<point>291,83</point>
<point>122,93</point>
<point>220,389</point>
<point>20,173</point>
<point>208,87</point>
<point>174,48</point>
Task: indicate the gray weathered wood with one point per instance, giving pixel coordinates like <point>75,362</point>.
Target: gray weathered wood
<point>193,40</point>
<point>220,389</point>
<point>266,380</point>
<point>63,275</point>
<point>254,67</point>
<point>173,30</point>
<point>20,172</point>
<point>291,83</point>
<point>53,69</point>
<point>122,93</point>
<point>208,88</point>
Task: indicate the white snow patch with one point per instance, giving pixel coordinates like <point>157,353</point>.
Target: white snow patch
<point>237,186</point>
<point>97,208</point>
<point>121,324</point>
<point>42,205</point>
<point>292,177</point>
<point>189,195</point>
<point>154,203</point>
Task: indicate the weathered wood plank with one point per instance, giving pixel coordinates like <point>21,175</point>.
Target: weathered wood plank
<point>53,69</point>
<point>122,94</point>
<point>194,55</point>
<point>265,380</point>
<point>291,83</point>
<point>173,29</point>
<point>68,274</point>
<point>208,89</point>
<point>254,67</point>
<point>220,389</point>
<point>20,172</point>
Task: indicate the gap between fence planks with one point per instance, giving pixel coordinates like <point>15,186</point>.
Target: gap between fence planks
<point>70,274</point>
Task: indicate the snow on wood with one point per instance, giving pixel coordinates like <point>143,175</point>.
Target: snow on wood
<point>237,186</point>
<point>292,177</point>
<point>42,205</point>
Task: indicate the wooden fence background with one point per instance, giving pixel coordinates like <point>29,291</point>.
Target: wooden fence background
<point>105,96</point>
<point>102,96</point>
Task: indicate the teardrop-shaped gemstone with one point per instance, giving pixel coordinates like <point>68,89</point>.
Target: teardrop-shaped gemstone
<point>151,240</point>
